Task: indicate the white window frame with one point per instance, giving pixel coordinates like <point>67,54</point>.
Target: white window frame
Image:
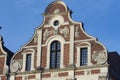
<point>88,46</point>
<point>48,44</point>
<point>32,52</point>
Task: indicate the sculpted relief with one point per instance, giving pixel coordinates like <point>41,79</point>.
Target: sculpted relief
<point>100,57</point>
<point>16,65</point>
<point>64,32</point>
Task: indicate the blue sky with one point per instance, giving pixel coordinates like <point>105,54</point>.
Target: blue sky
<point>19,18</point>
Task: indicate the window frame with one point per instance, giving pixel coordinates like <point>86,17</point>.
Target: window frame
<point>48,44</point>
<point>81,45</point>
<point>28,51</point>
<point>28,62</point>
<point>83,56</point>
<point>54,53</point>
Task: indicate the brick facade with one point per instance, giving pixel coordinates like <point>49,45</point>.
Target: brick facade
<point>59,26</point>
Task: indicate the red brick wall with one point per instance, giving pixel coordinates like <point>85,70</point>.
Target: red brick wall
<point>79,72</point>
<point>44,56</point>
<point>18,78</point>
<point>3,78</point>
<point>2,62</point>
<point>46,75</point>
<point>31,76</point>
<point>96,71</point>
<point>66,54</point>
<point>62,74</point>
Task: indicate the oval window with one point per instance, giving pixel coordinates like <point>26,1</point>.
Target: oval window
<point>56,23</point>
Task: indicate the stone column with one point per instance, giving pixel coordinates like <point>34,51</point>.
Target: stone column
<point>39,33</point>
<point>71,59</point>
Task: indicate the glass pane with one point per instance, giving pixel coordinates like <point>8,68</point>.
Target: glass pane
<point>55,55</point>
<point>53,46</point>
<point>84,56</point>
<point>28,62</point>
<point>58,46</point>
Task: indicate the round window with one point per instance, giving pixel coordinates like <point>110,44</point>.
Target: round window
<point>56,23</point>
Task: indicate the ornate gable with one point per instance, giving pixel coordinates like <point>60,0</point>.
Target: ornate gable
<point>5,56</point>
<point>58,31</point>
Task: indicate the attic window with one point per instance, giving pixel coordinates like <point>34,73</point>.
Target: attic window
<point>56,23</point>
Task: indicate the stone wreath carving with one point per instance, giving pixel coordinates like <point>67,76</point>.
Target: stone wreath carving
<point>100,57</point>
<point>16,65</point>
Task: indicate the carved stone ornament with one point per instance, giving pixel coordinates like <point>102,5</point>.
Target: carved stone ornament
<point>65,32</point>
<point>47,33</point>
<point>100,57</point>
<point>87,72</point>
<point>54,74</point>
<point>26,78</point>
<point>35,39</point>
<point>102,78</point>
<point>56,11</point>
<point>76,31</point>
<point>5,70</point>
<point>16,65</point>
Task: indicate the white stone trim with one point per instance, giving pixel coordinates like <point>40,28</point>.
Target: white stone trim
<point>32,52</point>
<point>85,40</point>
<point>2,56</point>
<point>29,47</point>
<point>89,53</point>
<point>39,33</point>
<point>71,59</point>
<point>12,77</point>
<point>48,43</point>
<point>38,76</point>
<point>58,2</point>
<point>5,54</point>
<point>58,18</point>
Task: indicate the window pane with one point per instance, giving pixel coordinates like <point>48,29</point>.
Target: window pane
<point>55,55</point>
<point>58,46</point>
<point>53,46</point>
<point>28,62</point>
<point>84,56</point>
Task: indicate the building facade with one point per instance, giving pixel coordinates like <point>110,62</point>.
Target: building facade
<point>5,57</point>
<point>60,50</point>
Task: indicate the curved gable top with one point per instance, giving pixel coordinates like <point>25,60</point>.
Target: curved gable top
<point>56,7</point>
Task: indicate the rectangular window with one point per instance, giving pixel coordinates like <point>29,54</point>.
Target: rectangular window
<point>28,62</point>
<point>83,56</point>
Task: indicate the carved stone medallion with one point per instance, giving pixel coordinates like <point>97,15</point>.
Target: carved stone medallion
<point>100,57</point>
<point>16,65</point>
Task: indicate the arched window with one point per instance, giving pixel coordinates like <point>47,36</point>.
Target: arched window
<point>55,55</point>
